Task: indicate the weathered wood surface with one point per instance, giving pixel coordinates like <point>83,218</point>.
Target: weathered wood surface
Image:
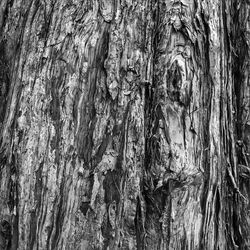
<point>124,124</point>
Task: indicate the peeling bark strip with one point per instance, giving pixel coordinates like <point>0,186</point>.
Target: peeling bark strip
<point>124,124</point>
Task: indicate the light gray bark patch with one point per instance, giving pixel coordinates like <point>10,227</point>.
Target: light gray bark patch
<point>107,9</point>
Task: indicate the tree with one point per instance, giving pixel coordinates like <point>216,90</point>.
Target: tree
<point>124,124</point>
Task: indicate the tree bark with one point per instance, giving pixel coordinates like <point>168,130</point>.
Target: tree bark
<point>124,124</point>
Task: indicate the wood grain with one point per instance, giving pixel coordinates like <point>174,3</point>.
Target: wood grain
<point>124,124</point>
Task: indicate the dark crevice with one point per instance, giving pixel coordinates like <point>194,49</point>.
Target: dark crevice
<point>139,225</point>
<point>88,116</point>
<point>59,216</point>
<point>4,82</point>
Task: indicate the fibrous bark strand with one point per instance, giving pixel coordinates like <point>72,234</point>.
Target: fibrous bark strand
<point>124,124</point>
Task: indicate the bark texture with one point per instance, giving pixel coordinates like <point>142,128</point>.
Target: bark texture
<point>124,124</point>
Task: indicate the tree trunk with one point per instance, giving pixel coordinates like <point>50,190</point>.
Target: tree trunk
<point>124,124</point>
